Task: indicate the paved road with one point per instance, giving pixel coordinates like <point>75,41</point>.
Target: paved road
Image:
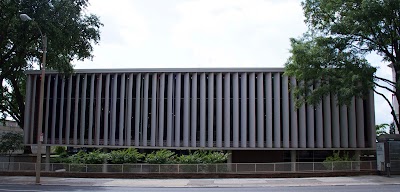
<point>354,188</point>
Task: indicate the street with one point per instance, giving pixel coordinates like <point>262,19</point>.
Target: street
<point>37,188</point>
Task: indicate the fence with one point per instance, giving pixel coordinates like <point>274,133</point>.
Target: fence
<point>252,168</point>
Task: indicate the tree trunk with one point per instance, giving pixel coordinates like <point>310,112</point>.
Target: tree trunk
<point>397,95</point>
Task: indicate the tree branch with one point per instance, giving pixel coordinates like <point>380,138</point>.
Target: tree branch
<point>391,107</point>
<point>383,87</point>
<point>385,80</point>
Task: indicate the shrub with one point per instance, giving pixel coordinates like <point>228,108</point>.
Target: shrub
<point>337,162</point>
<point>161,157</point>
<point>60,150</point>
<point>214,157</point>
<point>129,155</point>
<point>96,157</point>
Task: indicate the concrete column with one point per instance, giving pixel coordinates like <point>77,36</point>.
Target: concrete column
<point>210,110</point>
<point>186,108</point>
<point>47,168</point>
<point>106,110</point>
<point>153,110</point>
<point>268,110</point>
<point>352,124</point>
<point>243,110</point>
<point>91,99</point>
<point>122,111</point>
<point>60,132</point>
<point>357,155</point>
<point>33,112</point>
<point>285,111</point>
<point>327,122</point>
<point>335,122</point>
<point>227,110</point>
<point>27,108</point>
<point>360,122</point>
<point>47,111</point>
<point>128,122</point>
<point>178,110</point>
<point>219,110</point>
<point>113,112</point>
<point>169,109</point>
<point>203,110</point>
<point>293,116</point>
<point>98,108</point>
<point>76,110</point>
<point>344,137</point>
<point>137,108</point>
<point>68,114</point>
<point>293,158</point>
<point>161,111</point>
<point>252,110</point>
<point>235,113</point>
<point>277,110</point>
<point>193,119</point>
<point>260,110</point>
<point>145,112</point>
<point>83,112</point>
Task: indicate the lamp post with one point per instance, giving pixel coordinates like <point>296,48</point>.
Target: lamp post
<point>25,17</point>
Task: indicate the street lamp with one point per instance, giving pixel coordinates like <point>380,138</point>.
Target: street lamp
<point>25,17</point>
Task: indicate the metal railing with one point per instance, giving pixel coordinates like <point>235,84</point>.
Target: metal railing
<point>252,168</point>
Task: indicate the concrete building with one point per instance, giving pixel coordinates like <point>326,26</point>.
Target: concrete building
<point>247,111</point>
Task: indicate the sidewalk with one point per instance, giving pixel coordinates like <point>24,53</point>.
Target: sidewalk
<point>311,181</point>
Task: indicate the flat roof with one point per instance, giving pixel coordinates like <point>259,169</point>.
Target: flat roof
<point>165,70</point>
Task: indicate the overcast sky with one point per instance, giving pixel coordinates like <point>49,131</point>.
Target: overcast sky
<point>202,33</point>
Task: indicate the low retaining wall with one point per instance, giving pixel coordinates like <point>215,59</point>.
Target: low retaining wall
<point>189,175</point>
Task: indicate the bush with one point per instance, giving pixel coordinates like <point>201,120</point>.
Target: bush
<point>214,157</point>
<point>60,150</point>
<point>96,157</point>
<point>162,156</point>
<point>337,162</point>
<point>129,155</point>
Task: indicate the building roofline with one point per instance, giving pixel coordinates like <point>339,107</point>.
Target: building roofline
<point>165,70</point>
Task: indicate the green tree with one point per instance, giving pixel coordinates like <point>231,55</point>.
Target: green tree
<point>71,33</point>
<point>10,142</point>
<point>330,57</point>
<point>381,129</point>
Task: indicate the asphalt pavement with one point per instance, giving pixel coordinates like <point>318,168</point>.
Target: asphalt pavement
<point>370,180</point>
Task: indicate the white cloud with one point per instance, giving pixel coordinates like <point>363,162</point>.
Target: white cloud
<point>238,32</point>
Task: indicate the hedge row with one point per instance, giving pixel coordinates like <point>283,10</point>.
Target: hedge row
<point>131,155</point>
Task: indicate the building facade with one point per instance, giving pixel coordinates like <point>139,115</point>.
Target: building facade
<point>244,110</point>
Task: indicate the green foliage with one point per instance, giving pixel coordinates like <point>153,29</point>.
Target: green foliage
<point>203,157</point>
<point>78,158</point>
<point>338,162</point>
<point>381,129</point>
<point>96,157</point>
<point>331,56</point>
<point>162,156</point>
<point>10,142</point>
<point>215,157</point>
<point>71,32</point>
<point>58,150</point>
<point>129,155</point>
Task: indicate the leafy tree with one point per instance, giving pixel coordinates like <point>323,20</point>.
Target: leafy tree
<point>330,57</point>
<point>10,142</point>
<point>70,31</point>
<point>381,129</point>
